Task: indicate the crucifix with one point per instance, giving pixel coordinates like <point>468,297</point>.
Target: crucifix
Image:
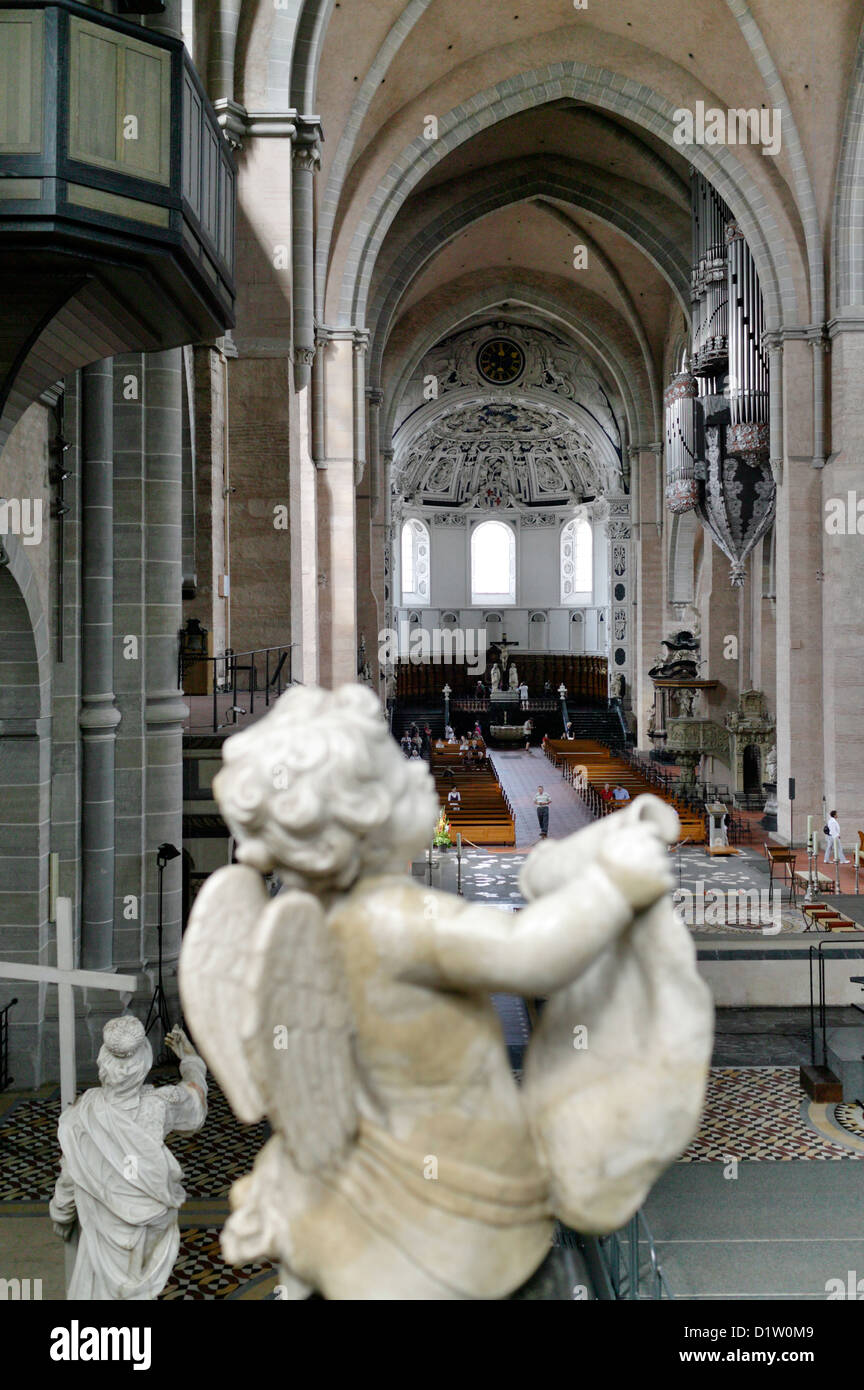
<point>66,978</point>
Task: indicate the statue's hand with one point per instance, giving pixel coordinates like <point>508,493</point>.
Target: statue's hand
<point>637,863</point>
<point>179,1044</point>
<point>63,1229</point>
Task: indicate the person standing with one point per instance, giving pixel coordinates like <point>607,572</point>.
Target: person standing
<point>542,801</point>
<point>833,847</point>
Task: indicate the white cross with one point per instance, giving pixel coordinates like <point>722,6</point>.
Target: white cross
<point>66,978</point>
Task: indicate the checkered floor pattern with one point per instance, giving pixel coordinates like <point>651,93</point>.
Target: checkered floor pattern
<point>200,1272</point>
<point>211,1161</point>
<point>754,1113</point>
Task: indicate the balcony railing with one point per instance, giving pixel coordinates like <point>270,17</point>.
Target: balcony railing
<point>225,692</point>
<point>117,196</point>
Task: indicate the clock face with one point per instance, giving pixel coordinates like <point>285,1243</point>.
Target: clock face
<point>500,361</point>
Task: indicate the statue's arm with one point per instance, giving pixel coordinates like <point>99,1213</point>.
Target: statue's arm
<point>61,1208</point>
<point>540,949</point>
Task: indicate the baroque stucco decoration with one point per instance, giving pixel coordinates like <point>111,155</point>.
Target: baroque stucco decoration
<point>353,1010</point>
<point>498,454</point>
<point>551,365</point>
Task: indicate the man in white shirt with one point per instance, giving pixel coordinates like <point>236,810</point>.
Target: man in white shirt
<point>541,801</point>
<point>833,847</point>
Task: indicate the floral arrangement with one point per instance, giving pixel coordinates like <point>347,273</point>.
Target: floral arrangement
<point>442,838</point>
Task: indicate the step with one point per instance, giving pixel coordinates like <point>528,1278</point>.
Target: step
<point>845,1057</point>
<point>821,1085</point>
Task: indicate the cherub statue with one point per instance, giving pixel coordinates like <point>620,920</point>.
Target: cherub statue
<point>354,1011</point>
<point>119,1189</point>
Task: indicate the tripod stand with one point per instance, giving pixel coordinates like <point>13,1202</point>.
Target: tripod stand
<point>158,1010</point>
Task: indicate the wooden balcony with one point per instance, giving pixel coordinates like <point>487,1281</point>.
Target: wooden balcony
<point>117,197</point>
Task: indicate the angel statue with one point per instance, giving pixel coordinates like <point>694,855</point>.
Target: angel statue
<point>354,1011</point>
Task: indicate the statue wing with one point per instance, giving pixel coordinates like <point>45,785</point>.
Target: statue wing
<point>616,1072</point>
<point>301,1049</point>
<point>219,949</point>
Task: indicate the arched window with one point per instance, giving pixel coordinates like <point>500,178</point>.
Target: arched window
<point>577,562</point>
<point>415,562</point>
<point>493,563</point>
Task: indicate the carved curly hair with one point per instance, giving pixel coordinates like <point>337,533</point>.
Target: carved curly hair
<point>318,791</point>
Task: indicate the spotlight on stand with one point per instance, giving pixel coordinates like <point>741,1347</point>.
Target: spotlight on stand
<point>158,1010</point>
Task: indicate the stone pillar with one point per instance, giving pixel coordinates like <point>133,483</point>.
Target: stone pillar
<point>379,520</point>
<point>306,160</point>
<point>304,548</point>
<point>337,534</point>
<point>210,606</point>
<point>99,716</point>
<point>720,649</point>
<point>646,478</point>
<point>621,634</point>
<point>164,708</point>
<point>799,594</point>
<point>841,487</point>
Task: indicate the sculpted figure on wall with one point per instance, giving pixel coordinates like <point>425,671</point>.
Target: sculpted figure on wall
<point>353,1010</point>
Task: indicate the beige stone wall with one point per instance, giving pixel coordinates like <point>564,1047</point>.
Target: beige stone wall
<point>259,404</point>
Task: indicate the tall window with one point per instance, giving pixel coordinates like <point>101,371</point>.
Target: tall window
<point>493,563</point>
<point>577,562</point>
<point>415,562</point>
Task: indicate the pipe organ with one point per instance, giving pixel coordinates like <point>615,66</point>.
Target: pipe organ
<point>716,407</point>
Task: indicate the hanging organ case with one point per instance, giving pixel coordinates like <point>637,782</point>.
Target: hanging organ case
<point>717,407</point>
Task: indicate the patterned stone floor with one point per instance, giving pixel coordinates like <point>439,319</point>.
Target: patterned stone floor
<point>758,1113</point>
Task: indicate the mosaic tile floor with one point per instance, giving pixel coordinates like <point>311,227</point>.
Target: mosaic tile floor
<point>30,1158</point>
<point>200,1272</point>
<point>756,1113</point>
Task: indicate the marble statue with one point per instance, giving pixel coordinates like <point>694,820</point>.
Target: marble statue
<point>771,767</point>
<point>513,677</point>
<point>616,686</point>
<point>496,676</point>
<point>354,1011</point>
<point>119,1191</point>
<point>686,703</point>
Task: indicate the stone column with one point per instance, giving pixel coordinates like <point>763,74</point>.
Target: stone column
<point>841,488</point>
<point>164,707</point>
<point>379,521</point>
<point>306,160</point>
<point>646,478</point>
<point>799,540</point>
<point>621,634</point>
<point>337,533</point>
<point>99,716</point>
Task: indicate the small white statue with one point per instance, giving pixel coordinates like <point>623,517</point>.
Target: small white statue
<point>353,1010</point>
<point>496,677</point>
<point>119,1190</point>
<point>771,767</point>
<point>513,676</point>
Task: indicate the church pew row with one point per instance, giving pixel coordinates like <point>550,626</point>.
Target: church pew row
<point>484,815</point>
<point>601,767</point>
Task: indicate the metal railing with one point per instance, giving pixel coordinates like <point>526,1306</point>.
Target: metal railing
<point>5,1079</point>
<point>258,676</point>
<point>631,1264</point>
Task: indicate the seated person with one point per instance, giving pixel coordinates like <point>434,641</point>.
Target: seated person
<point>463,746</point>
<point>568,733</point>
<point>449,733</point>
<point>405,745</point>
<point>606,793</point>
<point>454,799</point>
<point>621,794</point>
